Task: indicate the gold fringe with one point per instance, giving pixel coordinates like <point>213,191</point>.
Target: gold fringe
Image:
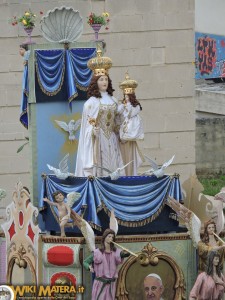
<point>61,83</point>
<point>81,87</point>
<point>95,226</point>
<point>72,97</point>
<point>141,222</point>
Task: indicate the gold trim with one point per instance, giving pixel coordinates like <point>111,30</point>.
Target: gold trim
<point>39,80</point>
<point>63,240</point>
<point>71,98</point>
<point>147,238</point>
<point>81,87</point>
<point>134,223</point>
<point>12,263</point>
<point>141,222</point>
<point>150,256</point>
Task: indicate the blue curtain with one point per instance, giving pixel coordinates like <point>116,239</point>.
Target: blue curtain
<point>50,68</point>
<point>52,65</point>
<point>78,75</point>
<point>24,100</point>
<point>136,200</point>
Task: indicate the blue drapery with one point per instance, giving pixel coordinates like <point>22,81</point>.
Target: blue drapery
<point>24,100</point>
<point>51,65</point>
<point>50,68</point>
<point>137,200</point>
<point>78,75</point>
<point>53,68</point>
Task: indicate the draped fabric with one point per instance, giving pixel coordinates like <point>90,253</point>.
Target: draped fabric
<point>53,65</point>
<point>24,100</point>
<point>78,75</point>
<point>137,200</point>
<point>50,68</point>
<point>55,68</point>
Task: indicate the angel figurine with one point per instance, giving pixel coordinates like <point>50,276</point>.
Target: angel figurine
<point>64,208</point>
<point>104,262</point>
<point>210,240</point>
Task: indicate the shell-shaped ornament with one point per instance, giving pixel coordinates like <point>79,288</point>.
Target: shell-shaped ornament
<point>62,25</point>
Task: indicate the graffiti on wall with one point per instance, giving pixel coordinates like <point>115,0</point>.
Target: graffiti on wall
<point>209,55</point>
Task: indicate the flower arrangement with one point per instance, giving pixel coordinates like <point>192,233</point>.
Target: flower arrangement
<point>27,19</point>
<point>103,19</point>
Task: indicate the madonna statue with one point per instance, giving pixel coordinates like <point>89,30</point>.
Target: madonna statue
<point>98,147</point>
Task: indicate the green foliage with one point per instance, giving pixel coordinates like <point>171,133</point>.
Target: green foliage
<point>212,186</point>
<point>102,19</point>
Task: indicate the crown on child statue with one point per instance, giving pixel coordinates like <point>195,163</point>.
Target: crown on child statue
<point>128,85</point>
<point>100,65</point>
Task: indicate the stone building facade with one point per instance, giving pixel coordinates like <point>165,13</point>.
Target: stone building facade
<point>152,39</point>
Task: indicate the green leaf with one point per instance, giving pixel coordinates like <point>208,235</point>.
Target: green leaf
<point>21,147</point>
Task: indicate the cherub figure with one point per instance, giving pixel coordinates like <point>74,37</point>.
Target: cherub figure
<point>64,209</point>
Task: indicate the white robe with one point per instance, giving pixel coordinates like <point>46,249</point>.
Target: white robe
<point>98,144</point>
<point>131,130</point>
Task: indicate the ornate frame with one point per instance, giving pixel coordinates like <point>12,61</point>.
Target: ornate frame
<point>150,256</point>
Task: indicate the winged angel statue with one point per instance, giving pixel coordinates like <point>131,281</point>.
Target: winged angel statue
<point>192,222</point>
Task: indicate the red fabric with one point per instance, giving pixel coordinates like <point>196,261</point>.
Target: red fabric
<point>60,256</point>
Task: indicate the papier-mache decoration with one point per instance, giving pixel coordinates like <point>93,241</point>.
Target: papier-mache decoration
<point>63,171</point>
<point>21,233</point>
<point>157,170</point>
<point>192,222</point>
<point>62,25</point>
<point>114,175</point>
<point>72,127</point>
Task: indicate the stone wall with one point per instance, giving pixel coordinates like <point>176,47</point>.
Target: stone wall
<point>153,39</point>
<point>210,145</point>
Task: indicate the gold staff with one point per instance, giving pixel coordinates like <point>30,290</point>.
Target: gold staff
<point>132,253</point>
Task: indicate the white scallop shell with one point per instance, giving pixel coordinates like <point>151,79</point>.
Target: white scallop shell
<point>62,25</point>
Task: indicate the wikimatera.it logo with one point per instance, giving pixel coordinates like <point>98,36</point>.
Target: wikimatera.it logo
<point>31,292</point>
<point>6,293</point>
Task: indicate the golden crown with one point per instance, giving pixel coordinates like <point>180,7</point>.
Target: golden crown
<point>100,65</point>
<point>128,85</point>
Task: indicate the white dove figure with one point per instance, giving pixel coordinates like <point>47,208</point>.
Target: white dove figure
<point>114,175</point>
<point>63,171</point>
<point>156,170</point>
<point>71,127</point>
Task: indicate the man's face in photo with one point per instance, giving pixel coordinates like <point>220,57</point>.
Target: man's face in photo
<point>153,288</point>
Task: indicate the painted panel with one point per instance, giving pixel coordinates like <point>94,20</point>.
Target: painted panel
<point>209,56</point>
<point>50,143</point>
